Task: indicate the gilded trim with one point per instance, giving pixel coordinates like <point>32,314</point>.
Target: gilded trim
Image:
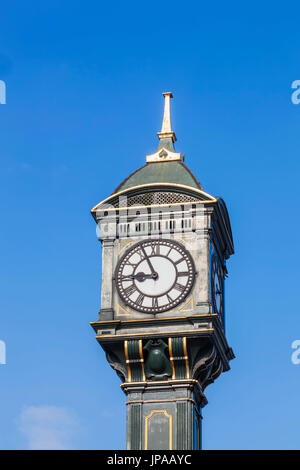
<point>184,239</point>
<point>142,358</point>
<point>183,309</point>
<point>161,401</point>
<point>186,358</point>
<point>170,417</point>
<point>171,357</point>
<point>127,360</point>
<point>163,333</point>
<point>217,370</point>
<point>183,186</point>
<point>138,208</point>
<point>207,365</point>
<point>168,155</point>
<point>124,384</point>
<point>119,307</point>
<point>127,242</point>
<point>156,319</point>
<point>171,400</point>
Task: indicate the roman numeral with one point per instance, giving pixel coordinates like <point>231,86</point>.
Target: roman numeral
<point>155,250</point>
<point>130,290</point>
<point>139,300</point>
<point>154,302</point>
<point>141,252</point>
<point>179,261</point>
<point>169,251</point>
<point>133,265</point>
<point>183,273</point>
<point>179,287</point>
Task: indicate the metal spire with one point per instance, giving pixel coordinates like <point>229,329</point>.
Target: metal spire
<point>166,128</point>
<point>165,150</point>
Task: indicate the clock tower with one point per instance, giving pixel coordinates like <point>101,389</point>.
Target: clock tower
<point>165,243</point>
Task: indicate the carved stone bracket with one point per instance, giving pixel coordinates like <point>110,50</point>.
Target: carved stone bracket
<point>116,364</point>
<point>207,365</point>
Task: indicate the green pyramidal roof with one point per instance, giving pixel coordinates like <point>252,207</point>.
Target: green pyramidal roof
<point>160,172</point>
<point>165,165</point>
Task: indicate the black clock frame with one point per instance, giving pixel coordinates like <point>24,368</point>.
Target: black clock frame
<point>216,271</point>
<point>154,243</point>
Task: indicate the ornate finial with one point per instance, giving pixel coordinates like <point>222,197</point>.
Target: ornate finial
<point>166,128</point>
<point>167,137</point>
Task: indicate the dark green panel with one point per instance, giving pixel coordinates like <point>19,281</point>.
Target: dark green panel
<point>135,427</point>
<point>182,426</point>
<point>135,361</point>
<point>158,431</point>
<point>179,359</point>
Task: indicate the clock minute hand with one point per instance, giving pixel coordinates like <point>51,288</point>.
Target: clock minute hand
<point>154,274</point>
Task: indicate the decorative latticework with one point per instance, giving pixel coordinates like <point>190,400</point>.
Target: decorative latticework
<point>150,198</point>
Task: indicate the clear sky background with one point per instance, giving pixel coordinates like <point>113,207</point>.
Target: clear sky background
<point>84,82</point>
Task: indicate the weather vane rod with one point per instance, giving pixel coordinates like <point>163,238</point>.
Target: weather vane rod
<point>166,129</point>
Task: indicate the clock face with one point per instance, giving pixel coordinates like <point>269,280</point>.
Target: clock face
<point>155,275</point>
<point>217,286</point>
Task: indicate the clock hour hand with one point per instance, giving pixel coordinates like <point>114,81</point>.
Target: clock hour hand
<point>138,276</point>
<point>127,278</point>
<point>154,274</point>
<point>142,276</point>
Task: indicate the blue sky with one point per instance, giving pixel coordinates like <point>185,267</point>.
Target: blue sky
<point>84,83</point>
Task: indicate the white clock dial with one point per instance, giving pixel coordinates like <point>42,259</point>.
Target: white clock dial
<point>155,275</point>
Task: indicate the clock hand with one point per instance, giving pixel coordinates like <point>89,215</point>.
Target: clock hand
<point>139,277</point>
<point>142,276</point>
<point>154,274</point>
<point>127,278</point>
